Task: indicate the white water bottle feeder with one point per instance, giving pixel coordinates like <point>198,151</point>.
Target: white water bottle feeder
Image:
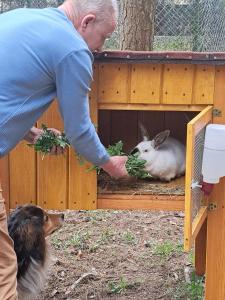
<point>213,164</point>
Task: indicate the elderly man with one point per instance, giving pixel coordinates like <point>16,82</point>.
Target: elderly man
<point>46,53</point>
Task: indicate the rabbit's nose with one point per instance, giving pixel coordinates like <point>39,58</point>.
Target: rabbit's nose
<point>135,150</point>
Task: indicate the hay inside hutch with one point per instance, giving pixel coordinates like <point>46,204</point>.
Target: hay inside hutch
<point>114,126</point>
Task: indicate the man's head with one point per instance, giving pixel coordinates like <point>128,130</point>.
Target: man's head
<point>95,20</point>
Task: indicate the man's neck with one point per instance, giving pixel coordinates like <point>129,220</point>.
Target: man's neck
<point>68,10</point>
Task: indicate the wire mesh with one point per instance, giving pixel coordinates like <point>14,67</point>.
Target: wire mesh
<point>188,25</point>
<point>6,5</point>
<point>194,25</point>
<point>196,192</point>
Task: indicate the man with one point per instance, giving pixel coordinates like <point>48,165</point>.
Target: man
<point>46,53</point>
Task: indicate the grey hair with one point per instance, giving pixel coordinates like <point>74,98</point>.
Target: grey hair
<point>103,9</point>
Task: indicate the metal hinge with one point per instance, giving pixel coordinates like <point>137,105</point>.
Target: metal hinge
<point>212,206</point>
<point>217,112</point>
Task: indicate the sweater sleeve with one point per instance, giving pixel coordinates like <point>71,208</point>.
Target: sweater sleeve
<point>73,78</point>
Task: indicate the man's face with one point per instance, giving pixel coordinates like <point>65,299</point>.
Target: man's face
<point>96,32</point>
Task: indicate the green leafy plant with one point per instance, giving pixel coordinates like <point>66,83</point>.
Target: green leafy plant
<point>118,287</point>
<point>134,165</point>
<point>193,290</point>
<point>117,149</point>
<point>129,237</point>
<point>166,249</point>
<point>49,139</point>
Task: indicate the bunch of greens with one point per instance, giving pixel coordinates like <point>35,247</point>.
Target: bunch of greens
<point>48,139</point>
<point>134,165</point>
<point>117,149</point>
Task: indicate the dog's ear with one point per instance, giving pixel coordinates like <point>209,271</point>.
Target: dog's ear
<point>28,233</point>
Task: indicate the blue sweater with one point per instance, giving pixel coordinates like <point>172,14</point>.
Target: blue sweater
<point>42,56</point>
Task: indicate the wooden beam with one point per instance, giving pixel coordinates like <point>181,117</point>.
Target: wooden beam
<point>158,107</point>
<point>200,250</point>
<point>215,256</point>
<point>147,202</point>
<point>198,221</point>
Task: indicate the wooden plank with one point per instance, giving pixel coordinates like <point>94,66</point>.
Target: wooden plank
<point>154,122</point>
<point>145,83</point>
<point>203,89</point>
<point>193,128</point>
<point>114,83</point>
<point>198,221</point>
<point>200,250</point>
<point>219,94</point>
<point>149,202</point>
<point>104,126</point>
<point>188,179</point>
<point>124,128</point>
<point>83,184</point>
<point>52,170</point>
<point>200,121</point>
<point>215,257</point>
<point>154,107</point>
<point>22,174</point>
<point>175,120</point>
<point>177,84</point>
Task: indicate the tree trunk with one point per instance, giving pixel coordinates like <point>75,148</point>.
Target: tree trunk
<point>136,24</point>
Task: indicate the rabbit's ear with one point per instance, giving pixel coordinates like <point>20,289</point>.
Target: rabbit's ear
<point>160,138</point>
<point>144,132</point>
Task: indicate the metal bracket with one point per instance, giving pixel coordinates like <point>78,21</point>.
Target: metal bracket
<point>217,112</point>
<point>195,184</point>
<point>212,206</point>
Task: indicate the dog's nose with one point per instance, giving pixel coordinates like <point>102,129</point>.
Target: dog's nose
<point>135,150</point>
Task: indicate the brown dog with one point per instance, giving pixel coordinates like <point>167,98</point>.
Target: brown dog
<point>29,225</point>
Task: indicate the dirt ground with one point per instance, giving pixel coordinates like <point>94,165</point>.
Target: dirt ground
<point>119,255</point>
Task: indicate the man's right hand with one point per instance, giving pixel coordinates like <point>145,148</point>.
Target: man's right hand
<point>115,167</point>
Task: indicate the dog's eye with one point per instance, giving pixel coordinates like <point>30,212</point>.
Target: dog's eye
<point>45,218</point>
<point>146,150</point>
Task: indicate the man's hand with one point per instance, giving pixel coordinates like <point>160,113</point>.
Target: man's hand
<point>35,133</point>
<point>115,167</point>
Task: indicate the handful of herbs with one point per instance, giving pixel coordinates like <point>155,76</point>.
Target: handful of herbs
<point>134,165</point>
<point>48,139</point>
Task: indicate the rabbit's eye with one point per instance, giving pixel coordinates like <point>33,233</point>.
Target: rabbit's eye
<point>146,150</point>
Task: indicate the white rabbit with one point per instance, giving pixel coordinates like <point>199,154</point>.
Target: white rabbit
<point>165,156</point>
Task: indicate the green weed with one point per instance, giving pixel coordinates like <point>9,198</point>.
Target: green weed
<point>118,287</point>
<point>191,291</point>
<point>166,249</point>
<point>129,237</point>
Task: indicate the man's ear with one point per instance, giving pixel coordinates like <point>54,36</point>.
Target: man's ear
<point>90,18</point>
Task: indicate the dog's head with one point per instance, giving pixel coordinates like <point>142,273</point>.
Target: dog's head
<point>28,226</point>
<point>31,217</point>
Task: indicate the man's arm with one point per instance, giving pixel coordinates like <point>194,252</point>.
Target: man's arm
<point>73,79</point>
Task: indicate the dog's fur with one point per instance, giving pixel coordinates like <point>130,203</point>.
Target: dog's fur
<point>28,226</point>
